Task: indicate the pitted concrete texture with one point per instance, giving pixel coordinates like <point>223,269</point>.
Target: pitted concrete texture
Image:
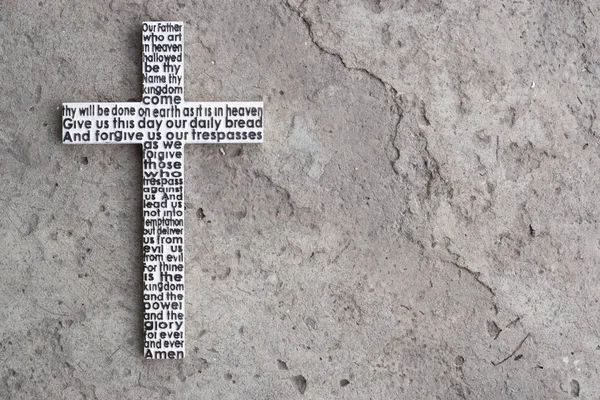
<point>420,223</point>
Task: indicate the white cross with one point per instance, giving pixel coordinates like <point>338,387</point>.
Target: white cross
<point>163,123</point>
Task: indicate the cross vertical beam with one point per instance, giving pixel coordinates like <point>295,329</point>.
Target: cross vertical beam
<point>164,305</point>
<point>163,123</point>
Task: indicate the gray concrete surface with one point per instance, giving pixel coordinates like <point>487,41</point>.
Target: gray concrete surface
<point>420,223</point>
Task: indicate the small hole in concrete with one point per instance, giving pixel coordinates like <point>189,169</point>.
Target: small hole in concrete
<point>282,365</point>
<point>574,388</point>
<point>300,382</point>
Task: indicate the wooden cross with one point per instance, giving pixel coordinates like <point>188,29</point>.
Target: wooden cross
<point>163,123</point>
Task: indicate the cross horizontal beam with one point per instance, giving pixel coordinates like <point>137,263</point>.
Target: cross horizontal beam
<point>189,122</point>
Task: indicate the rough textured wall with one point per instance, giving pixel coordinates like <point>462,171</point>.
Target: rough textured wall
<point>420,223</point>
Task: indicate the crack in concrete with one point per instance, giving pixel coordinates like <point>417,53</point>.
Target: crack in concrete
<point>496,363</point>
<point>430,163</point>
<point>388,87</point>
<point>475,275</point>
<point>397,109</point>
<point>308,24</point>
